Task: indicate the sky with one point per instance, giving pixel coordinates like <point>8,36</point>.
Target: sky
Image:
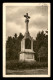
<point>15,20</point>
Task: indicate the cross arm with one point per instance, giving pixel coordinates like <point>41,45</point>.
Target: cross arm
<point>26,16</point>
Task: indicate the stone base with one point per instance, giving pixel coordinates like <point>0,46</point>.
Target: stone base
<point>26,57</point>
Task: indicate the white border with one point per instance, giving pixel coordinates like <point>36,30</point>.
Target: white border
<point>4,38</point>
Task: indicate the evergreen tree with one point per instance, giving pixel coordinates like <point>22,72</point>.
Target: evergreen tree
<point>40,43</point>
<point>13,46</point>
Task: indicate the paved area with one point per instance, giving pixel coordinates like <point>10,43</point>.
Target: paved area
<point>27,71</point>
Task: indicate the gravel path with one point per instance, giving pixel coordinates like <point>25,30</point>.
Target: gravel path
<point>27,71</point>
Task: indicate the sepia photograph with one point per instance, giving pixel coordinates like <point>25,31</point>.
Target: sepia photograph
<point>26,40</point>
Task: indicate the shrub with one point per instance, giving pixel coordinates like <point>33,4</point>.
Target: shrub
<point>14,64</point>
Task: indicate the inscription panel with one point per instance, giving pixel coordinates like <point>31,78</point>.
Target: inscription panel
<point>29,56</point>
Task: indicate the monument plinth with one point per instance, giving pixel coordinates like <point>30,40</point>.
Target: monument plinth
<point>27,53</point>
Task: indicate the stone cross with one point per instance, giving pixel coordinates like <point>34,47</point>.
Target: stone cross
<point>27,20</point>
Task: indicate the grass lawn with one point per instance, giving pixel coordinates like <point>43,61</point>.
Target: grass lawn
<point>27,71</point>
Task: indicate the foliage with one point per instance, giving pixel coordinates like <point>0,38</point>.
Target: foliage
<point>13,46</point>
<point>43,53</point>
<point>14,64</point>
<point>41,46</point>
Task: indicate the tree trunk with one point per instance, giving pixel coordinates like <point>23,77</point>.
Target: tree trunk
<point>39,58</point>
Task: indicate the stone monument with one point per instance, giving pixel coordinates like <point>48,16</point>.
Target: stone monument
<point>27,53</point>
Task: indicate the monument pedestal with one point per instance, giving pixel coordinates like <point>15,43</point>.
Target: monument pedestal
<point>26,56</point>
<point>27,53</point>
